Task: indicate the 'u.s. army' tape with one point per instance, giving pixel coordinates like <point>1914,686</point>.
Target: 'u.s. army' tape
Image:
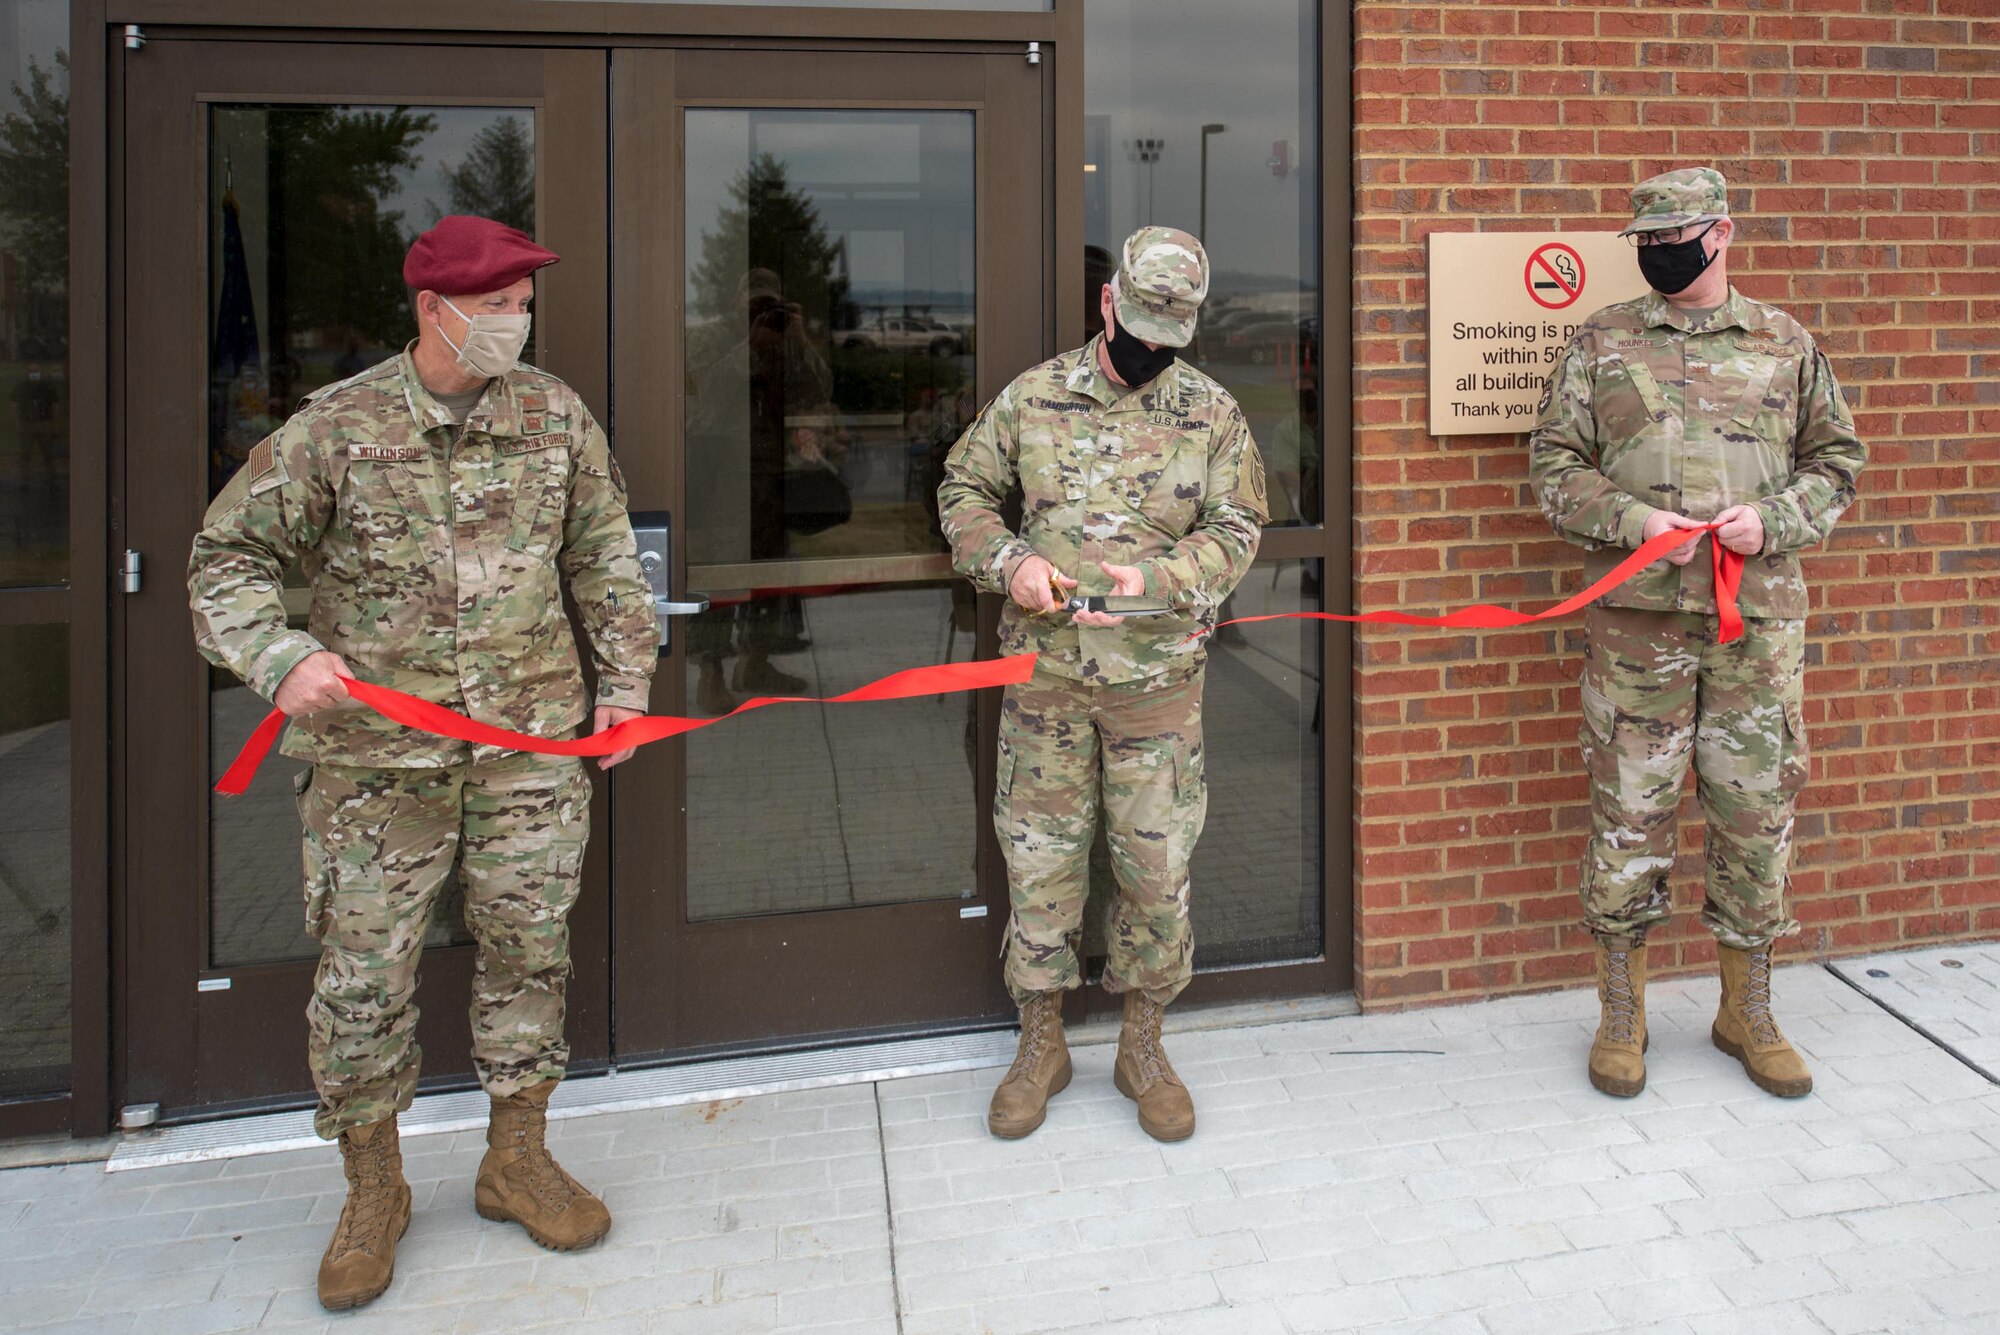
<point>946,678</point>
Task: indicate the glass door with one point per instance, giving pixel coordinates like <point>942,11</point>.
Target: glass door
<point>825,265</point>
<point>271,191</point>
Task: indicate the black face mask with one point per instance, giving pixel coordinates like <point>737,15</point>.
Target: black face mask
<point>1134,362</point>
<point>1674,268</point>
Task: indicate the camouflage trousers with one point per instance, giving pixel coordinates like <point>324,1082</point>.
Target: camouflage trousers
<point>1067,747</point>
<point>1658,690</point>
<point>379,845</point>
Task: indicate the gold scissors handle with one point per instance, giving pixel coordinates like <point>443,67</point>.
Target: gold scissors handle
<point>1056,593</point>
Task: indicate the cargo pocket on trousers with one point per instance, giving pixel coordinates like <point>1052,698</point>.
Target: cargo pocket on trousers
<point>565,859</point>
<point>1187,774</point>
<point>1795,765</point>
<point>1190,804</point>
<point>572,836</point>
<point>1003,782</point>
<point>319,887</point>
<point>1600,725</point>
<point>1603,759</point>
<point>318,866</point>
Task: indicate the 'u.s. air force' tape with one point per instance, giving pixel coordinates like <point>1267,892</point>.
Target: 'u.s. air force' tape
<point>978,674</point>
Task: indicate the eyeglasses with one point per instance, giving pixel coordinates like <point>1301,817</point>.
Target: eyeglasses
<point>1668,236</point>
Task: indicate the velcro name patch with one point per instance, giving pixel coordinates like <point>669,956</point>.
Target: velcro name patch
<point>388,454</point>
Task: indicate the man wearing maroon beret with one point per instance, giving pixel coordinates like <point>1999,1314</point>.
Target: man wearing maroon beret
<point>439,504</point>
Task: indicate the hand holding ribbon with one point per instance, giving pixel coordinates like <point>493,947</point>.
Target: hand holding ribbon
<point>1728,567</point>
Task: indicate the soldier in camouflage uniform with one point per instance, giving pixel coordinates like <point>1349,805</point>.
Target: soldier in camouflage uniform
<point>439,504</point>
<point>1138,477</point>
<point>1693,405</point>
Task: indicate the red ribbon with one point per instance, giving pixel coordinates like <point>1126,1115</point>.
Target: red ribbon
<point>1728,567</point>
<point>424,716</point>
<point>945,678</point>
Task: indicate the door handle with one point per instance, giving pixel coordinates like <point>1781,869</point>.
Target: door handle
<point>653,531</point>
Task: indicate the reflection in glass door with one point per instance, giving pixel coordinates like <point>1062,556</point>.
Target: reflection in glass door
<point>829,345</point>
<point>852,249</point>
<point>302,296</point>
<point>271,191</point>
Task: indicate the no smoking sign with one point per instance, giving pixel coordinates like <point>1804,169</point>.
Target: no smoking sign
<point>1502,307</point>
<point>1554,276</point>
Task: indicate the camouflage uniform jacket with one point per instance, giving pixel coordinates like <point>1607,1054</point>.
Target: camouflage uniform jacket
<point>1162,476</point>
<point>432,556</point>
<point>1646,411</point>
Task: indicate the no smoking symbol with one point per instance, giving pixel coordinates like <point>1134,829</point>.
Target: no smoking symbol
<point>1554,275</point>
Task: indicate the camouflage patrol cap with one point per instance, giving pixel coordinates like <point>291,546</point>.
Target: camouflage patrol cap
<point>757,283</point>
<point>1677,198</point>
<point>1159,285</point>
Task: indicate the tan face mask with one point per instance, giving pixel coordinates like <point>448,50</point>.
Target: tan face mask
<point>493,343</point>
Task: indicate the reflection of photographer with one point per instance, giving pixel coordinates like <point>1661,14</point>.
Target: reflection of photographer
<point>760,410</point>
<point>787,375</point>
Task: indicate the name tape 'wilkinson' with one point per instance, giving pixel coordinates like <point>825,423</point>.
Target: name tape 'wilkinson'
<point>1504,329</point>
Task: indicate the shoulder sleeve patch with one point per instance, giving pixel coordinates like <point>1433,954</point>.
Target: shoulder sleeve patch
<point>1250,480</point>
<point>265,468</point>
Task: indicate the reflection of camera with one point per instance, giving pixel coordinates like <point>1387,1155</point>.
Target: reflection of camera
<point>770,314</point>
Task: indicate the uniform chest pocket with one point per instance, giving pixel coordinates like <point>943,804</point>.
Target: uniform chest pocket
<point>541,490</point>
<point>1166,487</point>
<point>1766,408</point>
<point>1048,468</point>
<point>1629,399</point>
<point>383,507</point>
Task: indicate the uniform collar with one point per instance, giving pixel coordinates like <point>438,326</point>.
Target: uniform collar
<point>1087,376</point>
<point>498,412</point>
<point>1735,311</point>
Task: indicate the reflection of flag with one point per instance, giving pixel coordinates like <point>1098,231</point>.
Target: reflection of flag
<point>235,346</point>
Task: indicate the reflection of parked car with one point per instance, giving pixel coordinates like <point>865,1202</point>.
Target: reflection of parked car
<point>1260,340</point>
<point>903,333</point>
<point>1219,322</point>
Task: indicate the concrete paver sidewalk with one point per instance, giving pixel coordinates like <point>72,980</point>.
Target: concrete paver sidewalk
<point>1442,1171</point>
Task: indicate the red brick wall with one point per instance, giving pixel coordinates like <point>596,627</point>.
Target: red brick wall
<point>1861,139</point>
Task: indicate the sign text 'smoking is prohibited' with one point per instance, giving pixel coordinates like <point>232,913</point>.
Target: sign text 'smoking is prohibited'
<point>1502,305</point>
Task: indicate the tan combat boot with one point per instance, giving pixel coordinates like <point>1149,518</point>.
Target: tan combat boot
<point>361,1259</point>
<point>1745,1030</point>
<point>1143,1074</point>
<point>1618,1054</point>
<point>1040,1071</point>
<point>520,1181</point>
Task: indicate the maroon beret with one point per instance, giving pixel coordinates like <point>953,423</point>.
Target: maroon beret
<point>464,254</point>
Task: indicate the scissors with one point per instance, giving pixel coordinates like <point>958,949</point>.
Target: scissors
<point>1111,604</point>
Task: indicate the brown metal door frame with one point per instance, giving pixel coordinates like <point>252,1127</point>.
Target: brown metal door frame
<point>685,987</point>
<point>217,1049</point>
<point>1330,542</point>
<point>594,22</point>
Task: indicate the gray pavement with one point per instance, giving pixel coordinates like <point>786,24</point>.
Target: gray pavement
<point>1448,1171</point>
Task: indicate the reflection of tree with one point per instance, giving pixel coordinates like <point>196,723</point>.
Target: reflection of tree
<point>496,179</point>
<point>768,225</point>
<point>334,269</point>
<point>34,199</point>
<point>342,252</point>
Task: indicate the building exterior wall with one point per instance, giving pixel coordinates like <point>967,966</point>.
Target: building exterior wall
<point>1861,139</point>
